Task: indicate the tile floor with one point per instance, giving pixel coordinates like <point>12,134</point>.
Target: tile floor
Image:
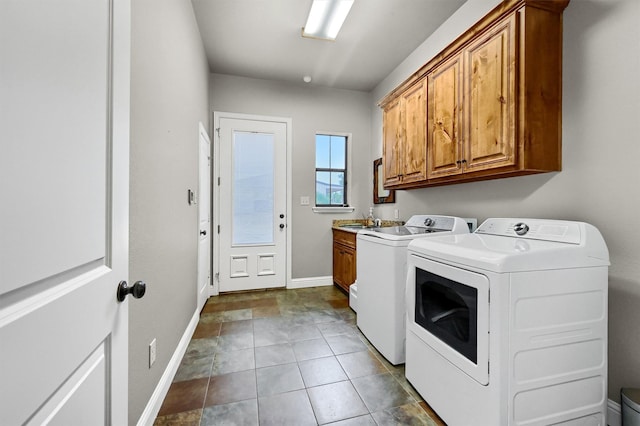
<point>287,357</point>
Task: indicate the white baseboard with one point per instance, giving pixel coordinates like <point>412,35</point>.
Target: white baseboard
<point>310,282</point>
<point>614,413</point>
<point>155,402</point>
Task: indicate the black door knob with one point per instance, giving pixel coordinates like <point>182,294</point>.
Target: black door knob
<point>281,216</point>
<point>203,232</point>
<point>282,226</point>
<point>137,290</point>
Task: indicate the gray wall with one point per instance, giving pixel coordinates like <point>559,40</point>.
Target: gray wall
<point>169,96</point>
<point>311,109</point>
<point>601,148</point>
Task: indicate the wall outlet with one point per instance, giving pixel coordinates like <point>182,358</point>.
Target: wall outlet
<point>304,201</point>
<point>396,214</point>
<point>152,352</point>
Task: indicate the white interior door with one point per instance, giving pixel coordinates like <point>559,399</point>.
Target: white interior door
<point>204,218</point>
<point>64,127</point>
<point>252,203</point>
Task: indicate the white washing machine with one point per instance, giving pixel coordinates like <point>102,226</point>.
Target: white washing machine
<point>381,266</point>
<point>508,325</point>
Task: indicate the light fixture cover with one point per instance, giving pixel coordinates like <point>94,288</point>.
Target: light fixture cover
<point>326,18</point>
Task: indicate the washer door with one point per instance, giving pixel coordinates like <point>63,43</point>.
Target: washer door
<point>448,308</point>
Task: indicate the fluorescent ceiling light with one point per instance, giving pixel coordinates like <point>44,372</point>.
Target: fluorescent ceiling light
<point>326,18</point>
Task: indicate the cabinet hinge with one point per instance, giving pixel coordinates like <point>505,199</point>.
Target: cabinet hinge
<point>218,180</point>
<point>218,229</point>
<point>217,276</point>
<point>218,131</point>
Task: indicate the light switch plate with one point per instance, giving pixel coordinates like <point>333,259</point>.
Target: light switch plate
<point>304,201</point>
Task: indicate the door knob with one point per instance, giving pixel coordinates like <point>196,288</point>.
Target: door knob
<point>282,226</point>
<point>137,290</point>
<point>281,216</point>
<point>203,232</point>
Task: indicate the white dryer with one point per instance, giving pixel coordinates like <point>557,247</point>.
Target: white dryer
<point>381,266</point>
<point>508,325</point>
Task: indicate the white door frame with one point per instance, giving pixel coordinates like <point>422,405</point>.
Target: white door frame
<point>204,259</point>
<point>217,115</point>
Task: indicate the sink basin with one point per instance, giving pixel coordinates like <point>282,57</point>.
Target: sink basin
<point>353,226</point>
<point>357,226</point>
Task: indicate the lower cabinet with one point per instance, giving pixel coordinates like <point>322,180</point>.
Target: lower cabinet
<point>344,259</point>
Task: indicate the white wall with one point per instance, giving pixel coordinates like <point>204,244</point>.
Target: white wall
<point>169,96</point>
<point>601,149</point>
<point>312,109</point>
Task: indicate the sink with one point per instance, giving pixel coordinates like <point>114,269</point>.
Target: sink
<point>353,226</point>
<point>357,226</point>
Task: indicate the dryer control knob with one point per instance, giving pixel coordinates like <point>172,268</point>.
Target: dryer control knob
<point>429,222</point>
<point>521,228</point>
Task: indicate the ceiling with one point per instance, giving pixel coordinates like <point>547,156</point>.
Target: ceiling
<point>262,39</point>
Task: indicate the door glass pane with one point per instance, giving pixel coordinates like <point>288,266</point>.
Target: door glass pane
<point>253,188</point>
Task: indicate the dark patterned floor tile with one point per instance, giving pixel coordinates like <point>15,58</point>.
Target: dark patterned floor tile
<point>358,364</point>
<point>186,418</point>
<point>432,414</point>
<point>336,401</point>
<point>201,347</point>
<point>231,387</point>
<point>184,396</point>
<point>409,414</point>
<point>236,327</point>
<point>206,329</point>
<point>343,343</point>
<point>267,356</point>
<point>265,311</point>
<point>234,342</point>
<point>278,379</point>
<point>231,362</point>
<point>286,409</point>
<point>243,413</point>
<point>311,349</point>
<point>381,392</point>
<point>321,371</point>
<point>271,337</point>
<point>194,368</point>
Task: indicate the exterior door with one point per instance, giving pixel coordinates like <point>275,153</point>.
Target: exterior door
<point>252,203</point>
<point>64,174</point>
<point>204,218</point>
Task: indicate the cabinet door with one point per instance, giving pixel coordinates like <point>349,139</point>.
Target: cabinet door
<point>344,266</point>
<point>392,133</point>
<point>490,104</point>
<point>414,142</point>
<point>443,123</point>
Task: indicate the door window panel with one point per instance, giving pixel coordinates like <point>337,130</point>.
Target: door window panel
<point>253,188</point>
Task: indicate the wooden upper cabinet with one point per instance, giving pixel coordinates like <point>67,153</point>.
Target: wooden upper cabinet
<point>494,102</point>
<point>404,137</point>
<point>490,101</point>
<point>391,136</point>
<point>443,124</point>
<point>414,141</point>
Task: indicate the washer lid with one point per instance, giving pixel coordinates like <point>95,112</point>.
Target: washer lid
<point>506,251</point>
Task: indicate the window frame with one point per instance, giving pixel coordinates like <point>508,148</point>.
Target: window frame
<point>334,208</point>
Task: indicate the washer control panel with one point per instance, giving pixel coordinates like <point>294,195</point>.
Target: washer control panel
<point>534,229</point>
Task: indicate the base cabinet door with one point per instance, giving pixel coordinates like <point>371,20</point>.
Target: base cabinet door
<point>344,258</point>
